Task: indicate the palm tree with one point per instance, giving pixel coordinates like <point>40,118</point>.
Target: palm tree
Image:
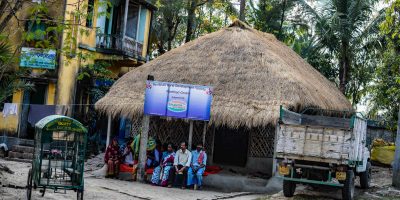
<point>9,79</point>
<point>346,29</point>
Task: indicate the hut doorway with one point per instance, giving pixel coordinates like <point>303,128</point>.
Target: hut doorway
<point>231,146</point>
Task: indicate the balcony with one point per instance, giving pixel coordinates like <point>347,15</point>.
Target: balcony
<point>119,45</point>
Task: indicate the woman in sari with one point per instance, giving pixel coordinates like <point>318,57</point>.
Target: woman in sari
<point>160,173</point>
<point>112,158</point>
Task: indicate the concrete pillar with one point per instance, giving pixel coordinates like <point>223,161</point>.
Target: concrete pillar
<point>396,164</point>
<point>204,133</point>
<point>143,148</point>
<point>108,131</point>
<point>190,135</point>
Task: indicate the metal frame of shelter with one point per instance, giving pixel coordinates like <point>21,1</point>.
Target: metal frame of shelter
<point>58,160</point>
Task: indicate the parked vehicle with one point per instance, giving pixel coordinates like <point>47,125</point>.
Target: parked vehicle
<point>58,160</point>
<point>320,150</point>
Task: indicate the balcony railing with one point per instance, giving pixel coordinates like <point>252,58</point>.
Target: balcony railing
<point>114,43</point>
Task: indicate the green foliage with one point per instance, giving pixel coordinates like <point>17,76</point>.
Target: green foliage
<point>270,16</point>
<point>10,81</point>
<point>385,91</point>
<point>346,32</point>
<point>170,21</point>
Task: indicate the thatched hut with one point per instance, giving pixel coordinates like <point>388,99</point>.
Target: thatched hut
<point>252,74</point>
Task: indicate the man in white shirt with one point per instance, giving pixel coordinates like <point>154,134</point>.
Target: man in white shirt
<point>183,158</point>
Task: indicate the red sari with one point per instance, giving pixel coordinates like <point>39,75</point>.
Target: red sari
<point>113,159</point>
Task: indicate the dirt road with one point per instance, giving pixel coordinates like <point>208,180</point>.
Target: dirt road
<point>99,188</point>
<point>380,190</point>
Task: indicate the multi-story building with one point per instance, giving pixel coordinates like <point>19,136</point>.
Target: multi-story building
<point>117,32</point>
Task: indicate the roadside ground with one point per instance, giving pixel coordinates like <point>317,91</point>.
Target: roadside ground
<point>100,188</point>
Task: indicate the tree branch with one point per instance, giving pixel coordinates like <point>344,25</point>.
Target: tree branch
<point>17,6</point>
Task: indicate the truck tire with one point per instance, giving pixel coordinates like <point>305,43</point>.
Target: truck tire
<point>365,177</point>
<point>348,187</point>
<point>289,188</point>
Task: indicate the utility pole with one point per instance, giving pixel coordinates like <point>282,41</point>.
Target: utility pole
<point>396,164</point>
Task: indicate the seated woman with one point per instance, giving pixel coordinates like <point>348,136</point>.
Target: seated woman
<point>128,153</point>
<point>160,173</point>
<point>154,156</point>
<point>112,158</point>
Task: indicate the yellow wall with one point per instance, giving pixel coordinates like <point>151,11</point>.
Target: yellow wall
<point>146,34</point>
<point>10,123</point>
<point>51,94</point>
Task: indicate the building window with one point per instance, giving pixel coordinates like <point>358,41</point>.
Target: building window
<point>90,14</point>
<point>7,100</point>
<point>37,29</point>
<point>132,20</point>
<point>38,96</point>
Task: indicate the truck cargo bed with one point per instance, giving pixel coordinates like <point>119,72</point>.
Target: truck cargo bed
<point>320,141</point>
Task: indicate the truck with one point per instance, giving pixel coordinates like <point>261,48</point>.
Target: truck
<point>321,150</point>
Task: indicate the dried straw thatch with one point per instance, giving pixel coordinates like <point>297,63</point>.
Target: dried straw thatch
<point>252,74</point>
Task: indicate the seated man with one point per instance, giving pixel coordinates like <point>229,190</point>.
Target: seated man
<point>182,162</point>
<point>197,167</point>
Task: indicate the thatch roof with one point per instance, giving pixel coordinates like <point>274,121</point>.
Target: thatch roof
<point>252,74</point>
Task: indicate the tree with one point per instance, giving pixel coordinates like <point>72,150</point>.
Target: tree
<point>386,90</point>
<point>242,9</point>
<point>172,27</point>
<point>166,24</point>
<point>191,10</point>
<point>348,29</point>
<point>8,10</point>
<point>270,16</point>
<point>213,16</point>
<point>9,76</point>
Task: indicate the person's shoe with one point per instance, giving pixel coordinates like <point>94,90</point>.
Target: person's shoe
<point>195,187</point>
<point>183,187</point>
<point>169,186</point>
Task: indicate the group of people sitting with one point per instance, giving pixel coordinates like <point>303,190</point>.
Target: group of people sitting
<point>183,167</point>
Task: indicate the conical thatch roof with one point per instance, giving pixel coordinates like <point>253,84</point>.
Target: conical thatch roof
<point>252,74</point>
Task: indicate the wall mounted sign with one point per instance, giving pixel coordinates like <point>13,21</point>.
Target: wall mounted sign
<point>178,100</point>
<point>38,58</point>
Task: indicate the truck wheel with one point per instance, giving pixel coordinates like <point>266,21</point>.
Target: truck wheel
<point>348,187</point>
<point>365,177</point>
<point>289,188</point>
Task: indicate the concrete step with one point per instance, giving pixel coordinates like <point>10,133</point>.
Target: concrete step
<point>22,149</point>
<point>19,160</point>
<point>19,155</point>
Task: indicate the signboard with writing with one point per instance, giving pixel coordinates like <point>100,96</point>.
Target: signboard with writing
<point>178,100</point>
<point>38,58</point>
<point>60,123</point>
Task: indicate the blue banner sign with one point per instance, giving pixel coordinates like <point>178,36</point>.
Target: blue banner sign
<point>38,58</point>
<point>178,100</point>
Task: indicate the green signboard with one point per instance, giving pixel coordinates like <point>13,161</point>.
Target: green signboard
<point>60,123</point>
<point>38,58</point>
